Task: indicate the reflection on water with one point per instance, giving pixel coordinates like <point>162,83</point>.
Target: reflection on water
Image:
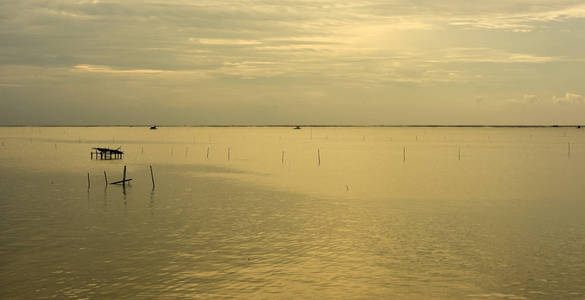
<point>280,213</point>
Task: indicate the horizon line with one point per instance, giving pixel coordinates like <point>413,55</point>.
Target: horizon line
<point>323,125</point>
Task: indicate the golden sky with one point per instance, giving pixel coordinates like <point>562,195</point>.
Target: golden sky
<point>286,62</point>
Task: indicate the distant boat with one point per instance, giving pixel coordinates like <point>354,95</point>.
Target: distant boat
<point>153,127</point>
<point>298,127</point>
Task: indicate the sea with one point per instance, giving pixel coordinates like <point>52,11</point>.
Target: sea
<point>283,213</point>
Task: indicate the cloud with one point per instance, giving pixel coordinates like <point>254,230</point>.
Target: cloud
<point>107,69</point>
<point>250,69</point>
<point>10,85</point>
<point>529,98</point>
<point>295,47</point>
<point>59,13</point>
<point>501,15</point>
<point>489,23</point>
<point>518,20</point>
<point>526,99</point>
<point>569,98</point>
<point>487,55</point>
<point>232,42</point>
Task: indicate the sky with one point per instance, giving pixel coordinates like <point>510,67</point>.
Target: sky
<point>244,62</point>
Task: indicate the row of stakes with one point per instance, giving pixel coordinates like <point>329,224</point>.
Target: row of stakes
<point>327,137</point>
<point>319,154</point>
<point>124,179</point>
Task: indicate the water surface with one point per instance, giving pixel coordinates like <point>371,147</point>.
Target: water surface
<point>405,213</point>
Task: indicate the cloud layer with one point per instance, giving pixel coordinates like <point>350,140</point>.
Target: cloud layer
<point>345,58</point>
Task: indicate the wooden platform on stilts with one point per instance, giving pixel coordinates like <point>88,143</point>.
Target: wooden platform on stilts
<point>106,153</point>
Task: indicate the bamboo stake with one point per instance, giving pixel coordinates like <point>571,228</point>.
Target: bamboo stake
<point>124,177</point>
<point>88,183</point>
<point>459,153</point>
<point>106,178</point>
<point>152,177</point>
<point>207,153</point>
<point>282,159</point>
<point>403,154</point>
<point>122,181</point>
<point>569,150</point>
<point>319,156</point>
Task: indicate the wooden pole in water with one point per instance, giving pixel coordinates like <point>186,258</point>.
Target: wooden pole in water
<point>124,177</point>
<point>88,183</point>
<point>459,153</point>
<point>318,156</point>
<point>403,154</point>
<point>228,153</point>
<point>569,149</point>
<point>152,176</point>
<point>282,159</point>
<point>106,178</point>
<point>207,157</point>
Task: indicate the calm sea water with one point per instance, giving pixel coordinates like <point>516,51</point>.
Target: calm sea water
<point>394,213</point>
